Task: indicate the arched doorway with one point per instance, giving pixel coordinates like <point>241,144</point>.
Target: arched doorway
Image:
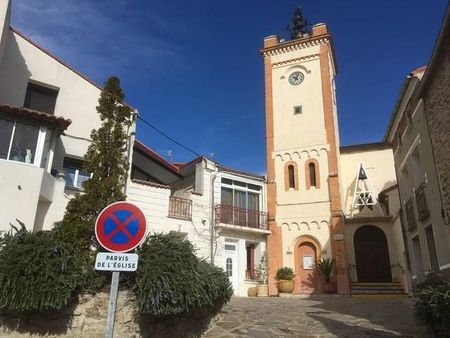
<point>372,255</point>
<point>307,251</point>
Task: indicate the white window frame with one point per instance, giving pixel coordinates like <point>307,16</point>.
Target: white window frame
<point>234,187</point>
<point>75,180</point>
<point>39,145</point>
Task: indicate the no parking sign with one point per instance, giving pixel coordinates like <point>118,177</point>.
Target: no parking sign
<point>120,227</point>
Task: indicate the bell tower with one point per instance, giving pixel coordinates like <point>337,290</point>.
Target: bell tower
<point>302,141</point>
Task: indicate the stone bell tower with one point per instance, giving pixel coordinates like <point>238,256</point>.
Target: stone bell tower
<point>302,142</point>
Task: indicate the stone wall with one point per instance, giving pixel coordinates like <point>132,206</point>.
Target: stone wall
<point>88,319</point>
<point>437,111</point>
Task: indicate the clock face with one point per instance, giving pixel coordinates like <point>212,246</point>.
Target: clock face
<point>296,78</point>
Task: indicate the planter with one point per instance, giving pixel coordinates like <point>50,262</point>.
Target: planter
<point>328,287</point>
<point>286,286</point>
<point>263,290</point>
<point>252,292</point>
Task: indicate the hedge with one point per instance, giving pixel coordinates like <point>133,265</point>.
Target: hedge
<point>171,280</point>
<point>37,272</point>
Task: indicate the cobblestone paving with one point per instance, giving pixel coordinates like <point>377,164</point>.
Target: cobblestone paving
<point>316,317</point>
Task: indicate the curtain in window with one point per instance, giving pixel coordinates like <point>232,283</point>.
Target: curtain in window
<point>226,211</point>
<point>23,148</point>
<point>240,204</point>
<point>253,209</point>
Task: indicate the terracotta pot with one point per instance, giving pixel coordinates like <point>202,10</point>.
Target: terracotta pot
<point>263,290</point>
<point>286,286</point>
<point>252,292</point>
<point>328,287</point>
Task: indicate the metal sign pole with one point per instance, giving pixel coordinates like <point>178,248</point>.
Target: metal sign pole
<point>112,304</point>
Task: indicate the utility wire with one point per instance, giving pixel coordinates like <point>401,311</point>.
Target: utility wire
<point>167,136</point>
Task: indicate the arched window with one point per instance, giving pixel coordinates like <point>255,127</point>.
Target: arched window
<point>312,175</point>
<point>229,267</point>
<point>290,176</point>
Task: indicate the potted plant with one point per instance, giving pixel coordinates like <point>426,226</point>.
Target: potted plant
<point>263,274</point>
<point>324,266</point>
<point>285,277</point>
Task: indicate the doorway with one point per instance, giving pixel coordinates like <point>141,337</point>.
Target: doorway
<point>231,265</point>
<point>372,255</point>
<point>307,251</point>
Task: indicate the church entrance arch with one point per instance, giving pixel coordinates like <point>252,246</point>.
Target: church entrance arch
<point>372,255</point>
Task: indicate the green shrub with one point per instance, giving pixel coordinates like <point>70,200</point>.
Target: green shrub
<point>285,273</point>
<point>432,306</point>
<point>171,280</point>
<point>37,272</point>
<point>324,266</point>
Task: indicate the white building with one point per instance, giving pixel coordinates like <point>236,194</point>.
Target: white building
<point>220,210</point>
<point>47,112</point>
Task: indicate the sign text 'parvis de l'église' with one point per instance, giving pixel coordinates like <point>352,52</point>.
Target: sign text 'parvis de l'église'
<point>109,261</point>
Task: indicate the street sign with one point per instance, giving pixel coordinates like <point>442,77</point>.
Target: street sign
<point>109,261</point>
<point>120,227</point>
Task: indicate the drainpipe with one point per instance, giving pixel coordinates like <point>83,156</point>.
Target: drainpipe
<point>213,210</point>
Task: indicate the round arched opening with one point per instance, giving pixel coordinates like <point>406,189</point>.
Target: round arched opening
<point>372,255</point>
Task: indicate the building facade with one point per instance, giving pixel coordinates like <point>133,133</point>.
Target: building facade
<point>419,130</point>
<point>323,199</point>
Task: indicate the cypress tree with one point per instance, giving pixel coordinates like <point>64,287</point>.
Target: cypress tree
<point>107,160</point>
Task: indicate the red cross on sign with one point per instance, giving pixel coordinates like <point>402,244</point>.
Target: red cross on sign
<point>120,227</point>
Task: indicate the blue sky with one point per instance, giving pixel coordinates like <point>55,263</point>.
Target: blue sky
<point>193,69</point>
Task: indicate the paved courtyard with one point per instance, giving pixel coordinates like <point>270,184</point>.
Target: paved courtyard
<point>317,317</point>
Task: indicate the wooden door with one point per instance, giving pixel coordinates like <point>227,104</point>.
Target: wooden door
<point>307,257</point>
<point>372,255</point>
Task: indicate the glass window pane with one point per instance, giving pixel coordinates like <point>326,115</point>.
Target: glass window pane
<point>40,98</point>
<point>240,184</point>
<point>24,143</point>
<point>6,127</point>
<point>254,187</point>
<point>69,176</point>
<point>82,177</point>
<point>227,196</point>
<point>227,181</point>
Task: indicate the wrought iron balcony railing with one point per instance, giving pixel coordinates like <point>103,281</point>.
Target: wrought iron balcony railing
<point>180,208</point>
<point>228,214</point>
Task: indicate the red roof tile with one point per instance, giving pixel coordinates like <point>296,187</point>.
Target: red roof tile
<point>57,121</point>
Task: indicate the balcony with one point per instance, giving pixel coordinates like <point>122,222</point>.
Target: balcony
<point>421,203</point>
<point>227,214</point>
<point>180,208</point>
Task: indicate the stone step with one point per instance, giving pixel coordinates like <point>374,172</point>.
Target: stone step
<point>380,296</point>
<point>377,291</point>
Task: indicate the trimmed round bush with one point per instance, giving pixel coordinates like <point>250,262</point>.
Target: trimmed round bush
<point>171,280</point>
<point>37,272</point>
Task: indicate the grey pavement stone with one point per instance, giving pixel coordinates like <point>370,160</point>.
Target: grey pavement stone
<point>321,317</point>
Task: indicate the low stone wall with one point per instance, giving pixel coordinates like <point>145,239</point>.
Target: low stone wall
<point>88,319</point>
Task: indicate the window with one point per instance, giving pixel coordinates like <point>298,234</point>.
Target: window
<point>312,174</point>
<point>421,203</point>
<point>290,176</point>
<point>20,141</point>
<point>240,203</point>
<point>73,173</point>
<point>40,98</point>
<point>297,110</point>
<point>410,217</point>
<point>434,262</point>
<point>229,267</point>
